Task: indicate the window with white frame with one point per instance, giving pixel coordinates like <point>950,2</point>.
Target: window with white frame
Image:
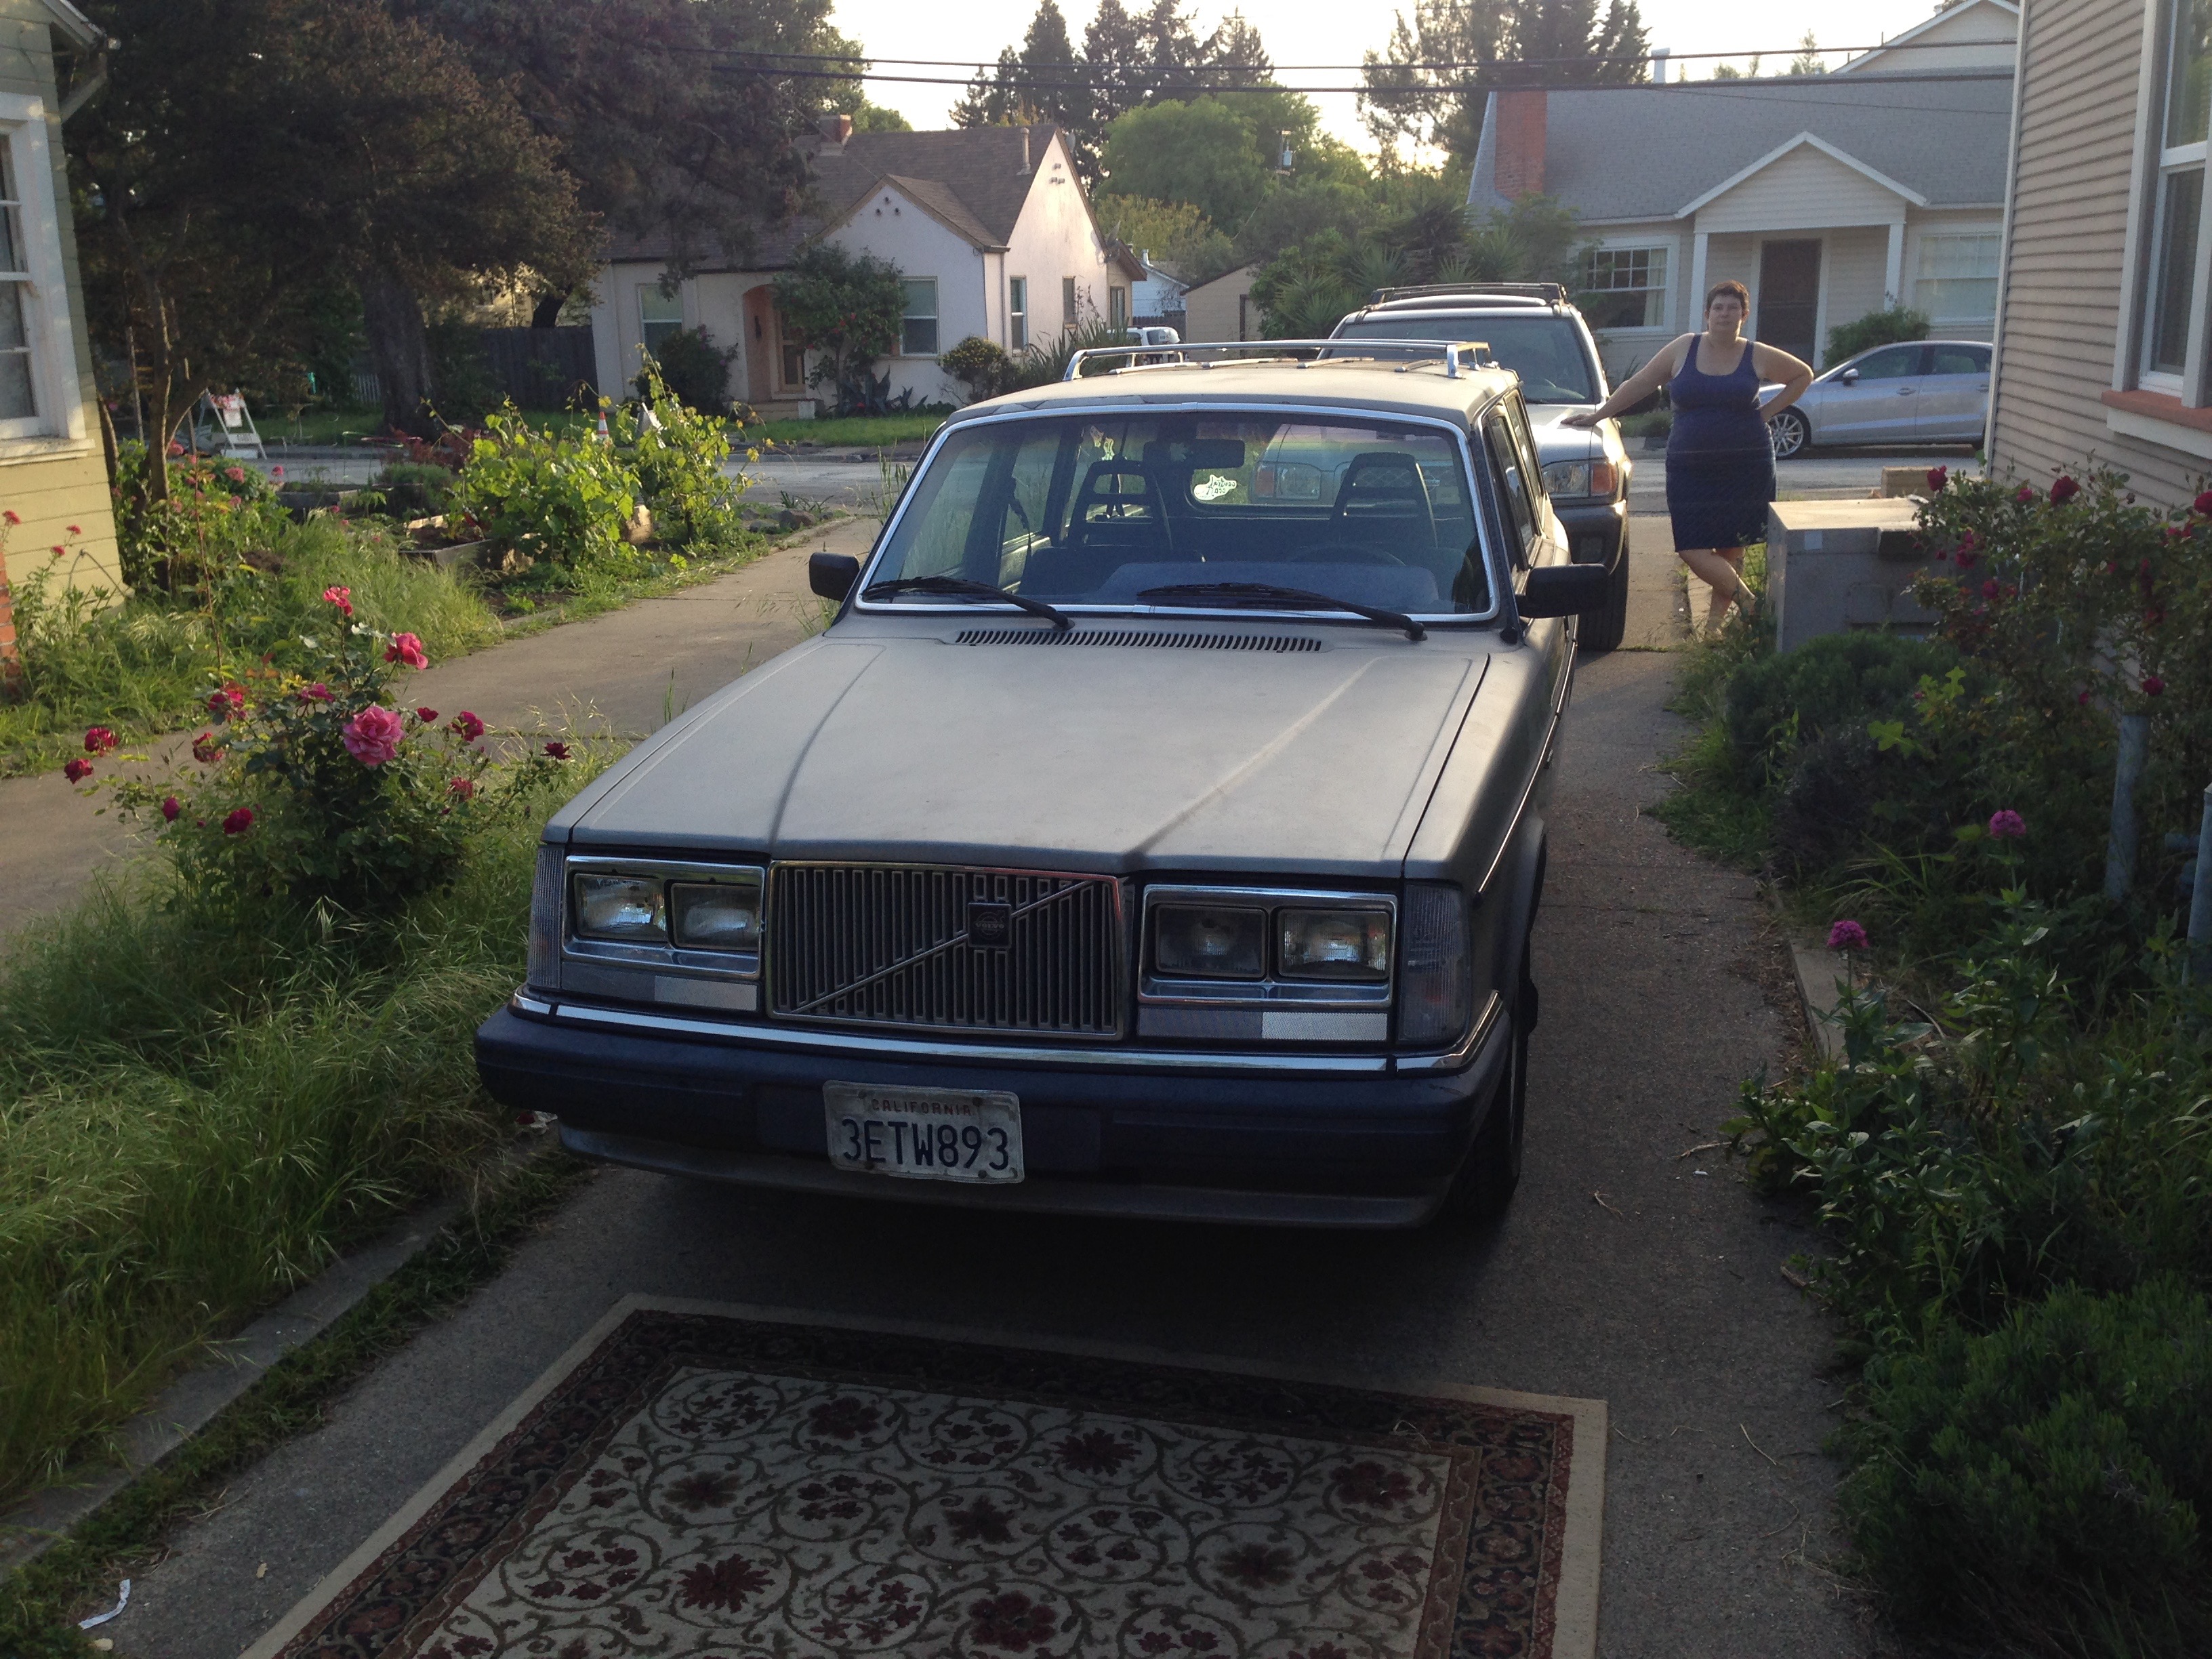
<point>918,327</point>
<point>1957,280</point>
<point>1017,313</point>
<point>2172,305</point>
<point>37,356</point>
<point>659,315</point>
<point>1625,287</point>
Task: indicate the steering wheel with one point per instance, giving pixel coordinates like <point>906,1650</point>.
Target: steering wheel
<point>1340,553</point>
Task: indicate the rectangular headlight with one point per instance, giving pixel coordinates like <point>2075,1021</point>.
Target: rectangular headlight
<point>1207,941</point>
<point>1333,944</point>
<point>1435,976</point>
<point>619,908</point>
<point>720,915</point>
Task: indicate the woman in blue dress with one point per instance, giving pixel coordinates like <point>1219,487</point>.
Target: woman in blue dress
<point>1719,461</point>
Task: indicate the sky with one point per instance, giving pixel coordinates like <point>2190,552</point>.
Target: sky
<point>1325,31</point>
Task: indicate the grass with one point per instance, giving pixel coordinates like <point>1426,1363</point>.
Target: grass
<point>325,427</point>
<point>143,666</point>
<point>192,1122</point>
<point>859,431</point>
<point>41,1603</point>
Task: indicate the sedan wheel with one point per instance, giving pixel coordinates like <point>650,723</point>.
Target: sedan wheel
<point>1790,432</point>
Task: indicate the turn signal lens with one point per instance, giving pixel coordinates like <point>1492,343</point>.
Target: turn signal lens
<point>626,909</point>
<point>1338,945</point>
<point>716,916</point>
<point>1434,977</point>
<point>1192,941</point>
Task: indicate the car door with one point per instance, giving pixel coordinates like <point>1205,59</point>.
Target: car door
<point>1874,398</point>
<point>1954,394</point>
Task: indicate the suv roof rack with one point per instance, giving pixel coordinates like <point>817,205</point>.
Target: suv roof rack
<point>1456,355</point>
<point>1551,292</point>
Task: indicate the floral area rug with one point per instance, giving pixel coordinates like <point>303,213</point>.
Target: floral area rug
<point>700,1485</point>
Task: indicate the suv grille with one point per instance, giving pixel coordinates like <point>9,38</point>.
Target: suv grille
<point>889,945</point>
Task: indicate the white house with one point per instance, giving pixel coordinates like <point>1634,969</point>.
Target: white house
<point>1965,35</point>
<point>990,226</point>
<point>1827,196</point>
<point>1157,298</point>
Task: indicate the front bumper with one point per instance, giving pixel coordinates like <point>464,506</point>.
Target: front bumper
<point>1284,1146</point>
<point>1597,531</point>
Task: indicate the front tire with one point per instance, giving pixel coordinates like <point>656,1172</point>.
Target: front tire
<point>1792,434</point>
<point>1485,1183</point>
<point>1604,630</point>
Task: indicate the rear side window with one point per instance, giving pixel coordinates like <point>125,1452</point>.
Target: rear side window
<point>1960,360</point>
<point>1896,362</point>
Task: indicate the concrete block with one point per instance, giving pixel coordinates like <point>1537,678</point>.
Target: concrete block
<point>1833,567</point>
<point>1900,481</point>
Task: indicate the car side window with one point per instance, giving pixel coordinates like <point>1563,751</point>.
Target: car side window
<point>1960,360</point>
<point>1895,363</point>
<point>1509,472</point>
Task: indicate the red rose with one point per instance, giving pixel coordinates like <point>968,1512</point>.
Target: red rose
<point>558,750</point>
<point>100,741</point>
<point>2153,685</point>
<point>428,716</point>
<point>407,648</point>
<point>2202,504</point>
<point>466,726</point>
<point>205,749</point>
<point>76,530</point>
<point>1966,558</point>
<point>1937,477</point>
<point>238,822</point>
<point>2063,491</point>
<point>78,770</point>
<point>12,516</point>
<point>170,807</point>
<point>1990,589</point>
<point>316,693</point>
<point>464,788</point>
<point>227,703</point>
<point>235,474</point>
<point>2024,494</point>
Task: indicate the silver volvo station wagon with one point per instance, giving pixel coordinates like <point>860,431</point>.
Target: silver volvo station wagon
<point>1157,831</point>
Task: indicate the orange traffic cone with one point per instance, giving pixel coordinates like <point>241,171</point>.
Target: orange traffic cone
<point>605,437</point>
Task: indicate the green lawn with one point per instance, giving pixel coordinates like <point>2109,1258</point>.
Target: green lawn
<point>861,431</point>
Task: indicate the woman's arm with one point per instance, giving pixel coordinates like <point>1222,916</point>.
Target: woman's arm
<point>1771,363</point>
<point>1637,387</point>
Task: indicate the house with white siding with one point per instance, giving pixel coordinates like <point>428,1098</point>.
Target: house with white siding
<point>2104,323</point>
<point>990,227</point>
<point>1827,196</point>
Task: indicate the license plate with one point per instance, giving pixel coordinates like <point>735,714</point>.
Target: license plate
<point>924,1134</point>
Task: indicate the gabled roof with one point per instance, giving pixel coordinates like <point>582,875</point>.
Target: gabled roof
<point>73,23</point>
<point>1803,141</point>
<point>973,180</point>
<point>1944,22</point>
<point>1615,154</point>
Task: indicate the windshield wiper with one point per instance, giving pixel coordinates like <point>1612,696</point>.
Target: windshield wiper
<point>1268,596</point>
<point>959,587</point>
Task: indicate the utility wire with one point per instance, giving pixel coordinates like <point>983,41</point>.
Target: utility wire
<point>1445,65</point>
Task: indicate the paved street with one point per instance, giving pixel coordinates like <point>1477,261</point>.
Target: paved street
<point>1632,1268</point>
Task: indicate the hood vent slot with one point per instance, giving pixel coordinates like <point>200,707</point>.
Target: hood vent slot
<point>1158,638</point>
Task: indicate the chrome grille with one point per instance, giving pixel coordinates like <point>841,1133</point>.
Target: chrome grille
<point>887,944</point>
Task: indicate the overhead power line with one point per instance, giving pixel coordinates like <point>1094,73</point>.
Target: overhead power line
<point>1444,66</point>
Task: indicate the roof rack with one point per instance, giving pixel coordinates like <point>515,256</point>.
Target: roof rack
<point>1552,293</point>
<point>1456,355</point>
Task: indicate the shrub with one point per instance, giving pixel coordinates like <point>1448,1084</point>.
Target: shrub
<point>562,500</point>
<point>1777,702</point>
<point>2048,1482</point>
<point>692,368</point>
<point>678,455</point>
<point>979,364</point>
<point>217,513</point>
<point>415,488</point>
<point>1875,328</point>
<point>847,309</point>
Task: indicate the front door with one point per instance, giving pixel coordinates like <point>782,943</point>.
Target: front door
<point>1789,298</point>
<point>761,344</point>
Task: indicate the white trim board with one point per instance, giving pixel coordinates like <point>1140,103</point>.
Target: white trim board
<point>1775,155</point>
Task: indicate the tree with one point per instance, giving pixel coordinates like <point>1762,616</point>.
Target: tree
<point>1203,153</point>
<point>1809,60</point>
<point>1175,234</point>
<point>846,308</point>
<point>993,98</point>
<point>1563,42</point>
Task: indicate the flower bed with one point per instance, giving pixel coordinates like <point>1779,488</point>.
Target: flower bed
<point>2010,1161</point>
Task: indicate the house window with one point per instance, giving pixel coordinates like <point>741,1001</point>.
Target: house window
<point>19,401</point>
<point>1625,287</point>
<point>1067,302</point>
<point>659,315</point>
<point>1958,280</point>
<point>1017,313</point>
<point>1117,308</point>
<point>918,329</point>
<point>2172,305</point>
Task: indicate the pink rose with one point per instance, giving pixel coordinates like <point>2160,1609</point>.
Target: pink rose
<point>170,807</point>
<point>227,703</point>
<point>373,736</point>
<point>78,770</point>
<point>12,516</point>
<point>238,822</point>
<point>316,693</point>
<point>2005,824</point>
<point>340,596</point>
<point>407,648</point>
<point>1847,936</point>
<point>76,530</point>
<point>2153,686</point>
<point>2024,494</point>
<point>463,788</point>
<point>276,471</point>
<point>235,474</point>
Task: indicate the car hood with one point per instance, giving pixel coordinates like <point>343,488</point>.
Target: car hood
<point>1096,758</point>
<point>1555,442</point>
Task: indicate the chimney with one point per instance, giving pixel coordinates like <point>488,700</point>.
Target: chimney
<point>1659,56</point>
<point>1520,164</point>
<point>1027,164</point>
<point>835,129</point>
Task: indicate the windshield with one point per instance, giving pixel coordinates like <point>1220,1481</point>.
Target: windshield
<point>1546,351</point>
<point>1096,509</point>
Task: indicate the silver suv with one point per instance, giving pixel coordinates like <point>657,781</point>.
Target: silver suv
<point>1533,330</point>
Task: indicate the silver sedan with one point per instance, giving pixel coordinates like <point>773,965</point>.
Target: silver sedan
<point>1917,391</point>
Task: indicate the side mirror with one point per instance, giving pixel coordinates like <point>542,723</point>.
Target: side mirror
<point>832,574</point>
<point>1564,590</point>
<point>1849,377</point>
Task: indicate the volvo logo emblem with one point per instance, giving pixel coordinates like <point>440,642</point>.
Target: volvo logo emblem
<point>990,924</point>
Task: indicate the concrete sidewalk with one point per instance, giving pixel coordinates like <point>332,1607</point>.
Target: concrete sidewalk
<point>622,673</point>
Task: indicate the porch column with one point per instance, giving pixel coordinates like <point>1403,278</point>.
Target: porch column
<point>1893,273</point>
<point>1695,304</point>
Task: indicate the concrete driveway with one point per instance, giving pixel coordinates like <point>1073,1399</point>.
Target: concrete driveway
<point>1633,1267</point>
